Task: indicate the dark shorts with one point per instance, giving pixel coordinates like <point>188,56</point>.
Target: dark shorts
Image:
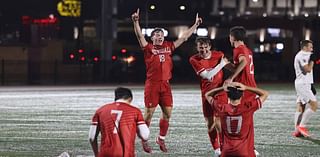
<point>157,93</point>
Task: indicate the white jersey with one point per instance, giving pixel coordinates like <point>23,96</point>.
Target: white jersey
<point>301,59</point>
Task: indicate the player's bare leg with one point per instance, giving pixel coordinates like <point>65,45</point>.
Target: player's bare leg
<point>297,118</point>
<point>217,125</point>
<point>213,135</point>
<point>148,113</point>
<point>164,126</point>
<point>306,116</point>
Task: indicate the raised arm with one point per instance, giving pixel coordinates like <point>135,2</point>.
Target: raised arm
<point>263,94</point>
<point>210,94</point>
<point>188,32</point>
<point>137,30</point>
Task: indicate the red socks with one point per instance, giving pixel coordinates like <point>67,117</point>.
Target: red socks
<point>164,125</point>
<point>214,139</point>
<point>148,123</point>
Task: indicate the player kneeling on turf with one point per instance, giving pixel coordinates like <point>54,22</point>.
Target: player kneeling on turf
<point>237,117</point>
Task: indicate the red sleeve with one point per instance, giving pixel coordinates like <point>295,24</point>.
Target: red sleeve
<point>196,65</point>
<point>147,47</point>
<point>140,119</point>
<point>237,52</point>
<point>256,104</point>
<point>95,119</point>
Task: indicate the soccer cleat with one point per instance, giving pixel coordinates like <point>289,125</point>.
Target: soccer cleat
<point>64,154</point>
<point>256,152</point>
<point>162,145</point>
<point>146,146</point>
<point>217,153</point>
<point>304,131</point>
<point>296,134</point>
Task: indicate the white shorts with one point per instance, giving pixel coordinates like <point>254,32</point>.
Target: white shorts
<point>304,93</point>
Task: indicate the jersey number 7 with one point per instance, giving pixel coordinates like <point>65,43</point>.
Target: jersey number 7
<point>117,121</point>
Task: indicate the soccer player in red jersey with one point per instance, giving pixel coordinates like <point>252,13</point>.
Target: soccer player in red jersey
<point>236,118</point>
<point>242,58</point>
<point>157,56</point>
<point>208,64</point>
<point>118,122</point>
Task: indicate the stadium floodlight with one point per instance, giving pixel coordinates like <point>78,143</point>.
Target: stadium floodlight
<point>182,7</point>
<point>152,7</point>
<point>264,14</point>
<point>202,32</point>
<point>280,46</point>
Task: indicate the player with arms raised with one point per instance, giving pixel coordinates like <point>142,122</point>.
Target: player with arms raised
<point>157,56</point>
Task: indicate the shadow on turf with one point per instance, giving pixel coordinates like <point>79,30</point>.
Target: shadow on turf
<point>316,141</point>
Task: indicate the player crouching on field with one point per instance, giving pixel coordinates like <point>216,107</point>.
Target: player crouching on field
<point>118,122</point>
<point>236,118</point>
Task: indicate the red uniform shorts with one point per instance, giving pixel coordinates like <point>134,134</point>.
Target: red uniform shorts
<point>158,92</point>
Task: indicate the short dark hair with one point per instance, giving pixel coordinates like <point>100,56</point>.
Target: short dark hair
<point>157,29</point>
<point>304,43</point>
<point>238,32</point>
<point>203,40</point>
<point>234,93</point>
<point>122,93</point>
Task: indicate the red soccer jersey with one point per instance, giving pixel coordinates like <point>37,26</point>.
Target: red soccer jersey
<point>246,76</point>
<point>118,125</point>
<point>237,127</point>
<point>158,61</point>
<point>199,65</point>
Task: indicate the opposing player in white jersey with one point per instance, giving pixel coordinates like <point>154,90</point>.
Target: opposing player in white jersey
<point>303,65</point>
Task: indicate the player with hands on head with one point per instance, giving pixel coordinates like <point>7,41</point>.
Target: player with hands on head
<point>158,60</point>
<point>236,117</point>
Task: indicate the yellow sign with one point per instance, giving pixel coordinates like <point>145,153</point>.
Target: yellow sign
<point>70,8</point>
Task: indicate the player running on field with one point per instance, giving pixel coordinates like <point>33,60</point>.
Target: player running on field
<point>303,66</point>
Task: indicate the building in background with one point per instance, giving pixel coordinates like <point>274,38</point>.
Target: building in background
<point>64,41</point>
